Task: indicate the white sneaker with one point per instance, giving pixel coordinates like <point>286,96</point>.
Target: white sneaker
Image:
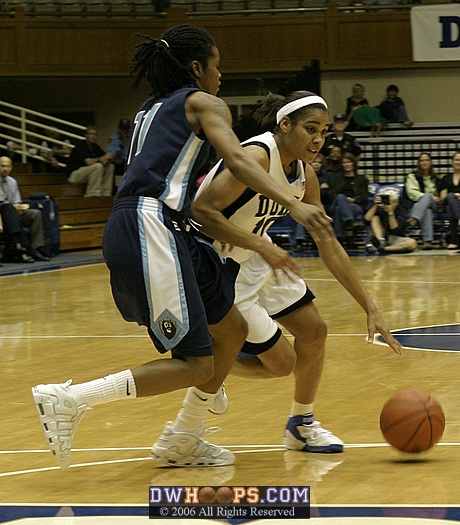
<point>220,404</point>
<point>59,415</point>
<point>310,438</point>
<point>184,449</point>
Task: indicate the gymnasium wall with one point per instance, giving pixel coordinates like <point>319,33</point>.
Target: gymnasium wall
<point>83,65</point>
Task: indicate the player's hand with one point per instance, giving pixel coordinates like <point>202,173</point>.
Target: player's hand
<point>313,219</point>
<point>279,259</point>
<point>375,324</point>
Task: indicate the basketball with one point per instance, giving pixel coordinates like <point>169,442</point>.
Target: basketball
<point>412,421</point>
<point>207,495</point>
<point>224,495</point>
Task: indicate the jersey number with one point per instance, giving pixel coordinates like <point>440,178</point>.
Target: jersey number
<point>142,122</point>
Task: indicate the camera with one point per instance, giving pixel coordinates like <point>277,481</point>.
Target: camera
<point>385,199</point>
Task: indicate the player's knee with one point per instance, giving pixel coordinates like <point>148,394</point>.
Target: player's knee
<point>233,329</point>
<point>314,333</point>
<point>321,330</point>
<point>284,367</point>
<point>280,361</point>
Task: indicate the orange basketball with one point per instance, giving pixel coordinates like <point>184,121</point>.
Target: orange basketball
<point>412,421</point>
<point>224,495</point>
<point>207,495</point>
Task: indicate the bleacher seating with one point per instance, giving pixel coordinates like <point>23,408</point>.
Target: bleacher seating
<point>82,220</point>
<point>387,160</point>
<point>392,156</point>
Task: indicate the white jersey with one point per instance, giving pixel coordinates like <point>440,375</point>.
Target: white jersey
<point>255,212</point>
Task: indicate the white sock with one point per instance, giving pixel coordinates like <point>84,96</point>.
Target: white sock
<point>301,409</point>
<point>109,388</point>
<point>194,410</point>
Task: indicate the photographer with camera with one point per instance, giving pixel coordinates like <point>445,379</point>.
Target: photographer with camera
<point>388,226</point>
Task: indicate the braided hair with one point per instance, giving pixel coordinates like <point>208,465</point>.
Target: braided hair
<point>265,114</point>
<point>165,62</point>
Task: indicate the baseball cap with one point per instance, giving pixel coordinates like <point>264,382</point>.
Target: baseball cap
<point>339,116</point>
<point>124,124</point>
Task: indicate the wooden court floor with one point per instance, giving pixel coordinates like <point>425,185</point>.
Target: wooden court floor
<point>63,324</point>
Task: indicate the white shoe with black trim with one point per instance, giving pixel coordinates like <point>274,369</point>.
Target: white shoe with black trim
<point>59,415</point>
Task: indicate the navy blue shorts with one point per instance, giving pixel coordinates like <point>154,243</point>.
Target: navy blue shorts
<point>165,278</point>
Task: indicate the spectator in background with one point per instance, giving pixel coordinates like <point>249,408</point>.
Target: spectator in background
<point>16,215</point>
<point>388,225</point>
<point>333,164</point>
<point>318,164</point>
<point>349,196</point>
<point>324,179</point>
<point>56,150</point>
<point>89,164</point>
<point>421,191</point>
<point>393,109</point>
<point>357,100</point>
<point>118,147</point>
<point>359,115</point>
<point>450,196</point>
<point>346,142</point>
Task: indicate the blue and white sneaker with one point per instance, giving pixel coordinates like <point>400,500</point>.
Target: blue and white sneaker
<point>305,434</point>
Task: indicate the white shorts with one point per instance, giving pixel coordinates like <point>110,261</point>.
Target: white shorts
<point>261,298</point>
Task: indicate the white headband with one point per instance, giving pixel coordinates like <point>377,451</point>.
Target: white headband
<point>297,104</point>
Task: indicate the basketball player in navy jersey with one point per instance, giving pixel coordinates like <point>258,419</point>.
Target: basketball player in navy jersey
<point>231,212</point>
<point>161,276</point>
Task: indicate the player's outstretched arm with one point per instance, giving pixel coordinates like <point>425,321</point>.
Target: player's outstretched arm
<point>339,264</point>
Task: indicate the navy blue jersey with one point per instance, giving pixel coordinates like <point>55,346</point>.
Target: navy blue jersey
<point>161,276</point>
<point>165,155</point>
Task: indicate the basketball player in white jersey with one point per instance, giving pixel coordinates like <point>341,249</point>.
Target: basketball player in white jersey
<point>229,211</point>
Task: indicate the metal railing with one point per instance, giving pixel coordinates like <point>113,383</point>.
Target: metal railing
<point>24,132</point>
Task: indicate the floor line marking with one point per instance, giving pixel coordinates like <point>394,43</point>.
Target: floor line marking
<point>252,449</point>
<point>279,446</point>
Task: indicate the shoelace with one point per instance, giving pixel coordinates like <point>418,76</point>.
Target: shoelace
<point>208,431</point>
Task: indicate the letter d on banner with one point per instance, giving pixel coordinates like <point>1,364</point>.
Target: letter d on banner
<point>448,24</point>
